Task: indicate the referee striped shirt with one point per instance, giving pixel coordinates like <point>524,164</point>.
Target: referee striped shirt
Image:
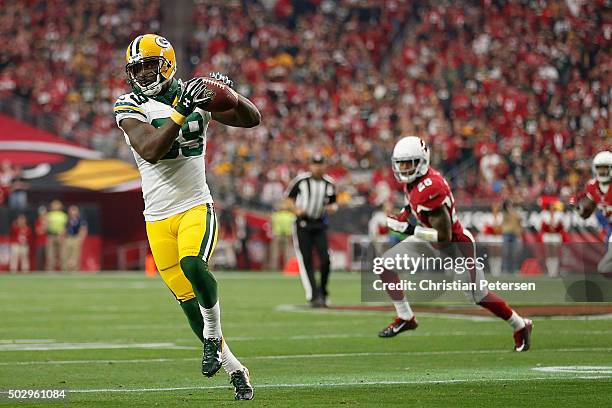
<point>312,195</point>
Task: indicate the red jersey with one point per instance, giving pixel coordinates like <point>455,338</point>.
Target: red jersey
<point>552,223</point>
<point>603,200</point>
<point>429,193</point>
<point>20,235</point>
<point>41,231</point>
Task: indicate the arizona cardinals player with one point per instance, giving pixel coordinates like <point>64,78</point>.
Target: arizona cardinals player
<point>598,195</point>
<point>431,202</point>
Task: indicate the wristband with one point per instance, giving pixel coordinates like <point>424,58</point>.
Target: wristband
<point>177,118</point>
<point>426,234</point>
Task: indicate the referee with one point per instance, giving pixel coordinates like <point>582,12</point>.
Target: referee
<point>312,197</point>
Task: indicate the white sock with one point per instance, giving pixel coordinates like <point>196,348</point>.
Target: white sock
<point>229,361</point>
<point>516,322</point>
<point>403,310</point>
<point>212,321</point>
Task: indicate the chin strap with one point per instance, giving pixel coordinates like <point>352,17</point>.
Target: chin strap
<point>426,234</point>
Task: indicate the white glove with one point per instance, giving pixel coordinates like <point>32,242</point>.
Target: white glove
<point>397,225</point>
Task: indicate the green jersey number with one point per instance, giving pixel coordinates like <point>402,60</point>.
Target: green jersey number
<point>191,137</point>
<point>138,99</point>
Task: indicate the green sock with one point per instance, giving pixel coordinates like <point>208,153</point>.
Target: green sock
<point>203,282</point>
<point>194,317</point>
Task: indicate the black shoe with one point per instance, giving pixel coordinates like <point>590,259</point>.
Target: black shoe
<point>211,358</point>
<point>318,302</point>
<point>241,381</point>
<point>397,326</point>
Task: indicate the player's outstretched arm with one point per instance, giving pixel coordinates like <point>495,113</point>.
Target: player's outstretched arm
<point>245,115</point>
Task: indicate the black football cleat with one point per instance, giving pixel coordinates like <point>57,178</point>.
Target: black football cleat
<point>211,358</point>
<point>522,338</point>
<point>319,302</point>
<point>397,326</point>
<point>241,381</point>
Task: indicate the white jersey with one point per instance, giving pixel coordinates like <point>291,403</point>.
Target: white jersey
<point>177,182</point>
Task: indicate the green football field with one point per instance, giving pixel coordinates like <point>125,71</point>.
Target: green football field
<point>121,340</point>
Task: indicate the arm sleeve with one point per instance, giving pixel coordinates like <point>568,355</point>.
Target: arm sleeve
<point>293,189</point>
<point>125,108</point>
<point>330,193</point>
<point>431,198</point>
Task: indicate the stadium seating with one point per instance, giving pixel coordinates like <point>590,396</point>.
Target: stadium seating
<point>508,116</point>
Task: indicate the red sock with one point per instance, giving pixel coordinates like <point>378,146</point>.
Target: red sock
<point>496,305</point>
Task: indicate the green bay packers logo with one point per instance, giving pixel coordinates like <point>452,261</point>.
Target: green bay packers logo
<point>162,42</point>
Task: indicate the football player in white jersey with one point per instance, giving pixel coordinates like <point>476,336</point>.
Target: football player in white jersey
<point>165,126</point>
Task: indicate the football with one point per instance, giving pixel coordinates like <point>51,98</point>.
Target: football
<point>225,97</point>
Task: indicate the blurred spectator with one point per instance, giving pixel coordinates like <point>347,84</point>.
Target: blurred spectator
<point>273,190</point>
<point>18,196</point>
<point>282,228</point>
<point>552,235</point>
<point>242,239</point>
<point>76,231</point>
<point>40,229</point>
<point>489,166</point>
<point>491,240</point>
<point>6,180</point>
<point>56,231</point>
<point>21,234</point>
<point>378,231</point>
<point>512,231</point>
<point>494,227</point>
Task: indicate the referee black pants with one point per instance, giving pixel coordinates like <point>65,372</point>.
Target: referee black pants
<point>309,235</point>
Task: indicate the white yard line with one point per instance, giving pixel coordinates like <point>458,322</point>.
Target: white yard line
<point>599,370</point>
<point>329,385</point>
<point>421,353</point>
<point>307,356</point>
<point>46,346</point>
<point>130,361</point>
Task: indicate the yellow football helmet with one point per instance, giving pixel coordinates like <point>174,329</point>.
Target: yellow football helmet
<point>151,63</point>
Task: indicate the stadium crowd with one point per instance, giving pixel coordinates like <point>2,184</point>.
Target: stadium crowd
<point>66,58</point>
<point>514,96</point>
